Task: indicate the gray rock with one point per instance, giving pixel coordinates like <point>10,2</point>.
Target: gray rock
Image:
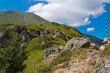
<point>102,66</point>
<point>51,51</point>
<point>76,43</point>
<point>25,36</point>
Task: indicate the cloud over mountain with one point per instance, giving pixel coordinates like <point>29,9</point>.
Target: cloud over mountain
<point>71,12</point>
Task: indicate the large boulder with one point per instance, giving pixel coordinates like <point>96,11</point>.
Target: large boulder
<point>76,43</point>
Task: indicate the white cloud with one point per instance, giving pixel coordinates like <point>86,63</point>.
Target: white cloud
<point>72,12</point>
<point>90,29</point>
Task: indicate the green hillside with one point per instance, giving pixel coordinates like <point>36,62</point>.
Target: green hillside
<point>16,17</point>
<point>35,44</point>
<point>33,40</point>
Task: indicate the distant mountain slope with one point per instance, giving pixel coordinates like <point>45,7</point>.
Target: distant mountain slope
<point>16,17</point>
<point>94,39</point>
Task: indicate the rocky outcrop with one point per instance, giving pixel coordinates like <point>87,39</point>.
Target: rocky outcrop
<point>76,43</point>
<point>19,29</point>
<point>25,36</point>
<point>52,53</point>
<point>72,44</point>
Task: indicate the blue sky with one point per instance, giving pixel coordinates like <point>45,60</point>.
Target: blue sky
<point>98,23</point>
<point>21,5</point>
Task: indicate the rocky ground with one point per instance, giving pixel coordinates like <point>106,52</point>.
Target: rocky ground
<point>92,63</point>
<point>93,60</point>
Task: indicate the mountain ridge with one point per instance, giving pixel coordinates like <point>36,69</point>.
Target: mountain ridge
<point>17,17</point>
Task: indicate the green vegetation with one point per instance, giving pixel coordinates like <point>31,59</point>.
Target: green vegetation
<point>19,18</point>
<point>35,45</point>
<point>48,68</point>
<point>12,56</point>
<point>35,57</point>
<point>55,28</point>
<point>27,26</point>
<point>35,49</point>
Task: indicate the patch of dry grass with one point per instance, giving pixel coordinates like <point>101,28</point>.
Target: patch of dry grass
<point>79,54</point>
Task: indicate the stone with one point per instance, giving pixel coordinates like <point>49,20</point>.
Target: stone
<point>102,48</point>
<point>76,43</point>
<point>19,29</point>
<point>25,36</point>
<point>92,44</point>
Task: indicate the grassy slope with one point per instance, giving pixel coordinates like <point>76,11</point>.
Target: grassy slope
<point>34,58</point>
<point>35,48</point>
<point>67,30</point>
<point>16,17</point>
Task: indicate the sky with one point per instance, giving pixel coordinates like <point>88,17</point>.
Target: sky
<point>88,16</point>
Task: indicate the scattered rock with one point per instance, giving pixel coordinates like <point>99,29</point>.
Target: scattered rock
<point>102,48</point>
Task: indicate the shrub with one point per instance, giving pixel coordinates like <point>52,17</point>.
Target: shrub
<point>12,56</point>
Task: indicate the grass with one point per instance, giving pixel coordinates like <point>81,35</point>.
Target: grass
<point>66,30</point>
<point>35,51</point>
<point>79,53</point>
<point>35,57</point>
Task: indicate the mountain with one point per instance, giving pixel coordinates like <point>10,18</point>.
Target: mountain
<point>94,39</point>
<point>16,17</point>
<point>25,44</point>
<point>30,44</point>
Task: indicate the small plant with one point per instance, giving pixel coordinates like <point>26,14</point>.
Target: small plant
<point>96,47</point>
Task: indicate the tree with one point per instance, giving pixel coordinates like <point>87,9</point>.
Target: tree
<point>12,56</point>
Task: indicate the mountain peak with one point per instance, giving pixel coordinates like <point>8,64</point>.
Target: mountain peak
<point>17,17</point>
